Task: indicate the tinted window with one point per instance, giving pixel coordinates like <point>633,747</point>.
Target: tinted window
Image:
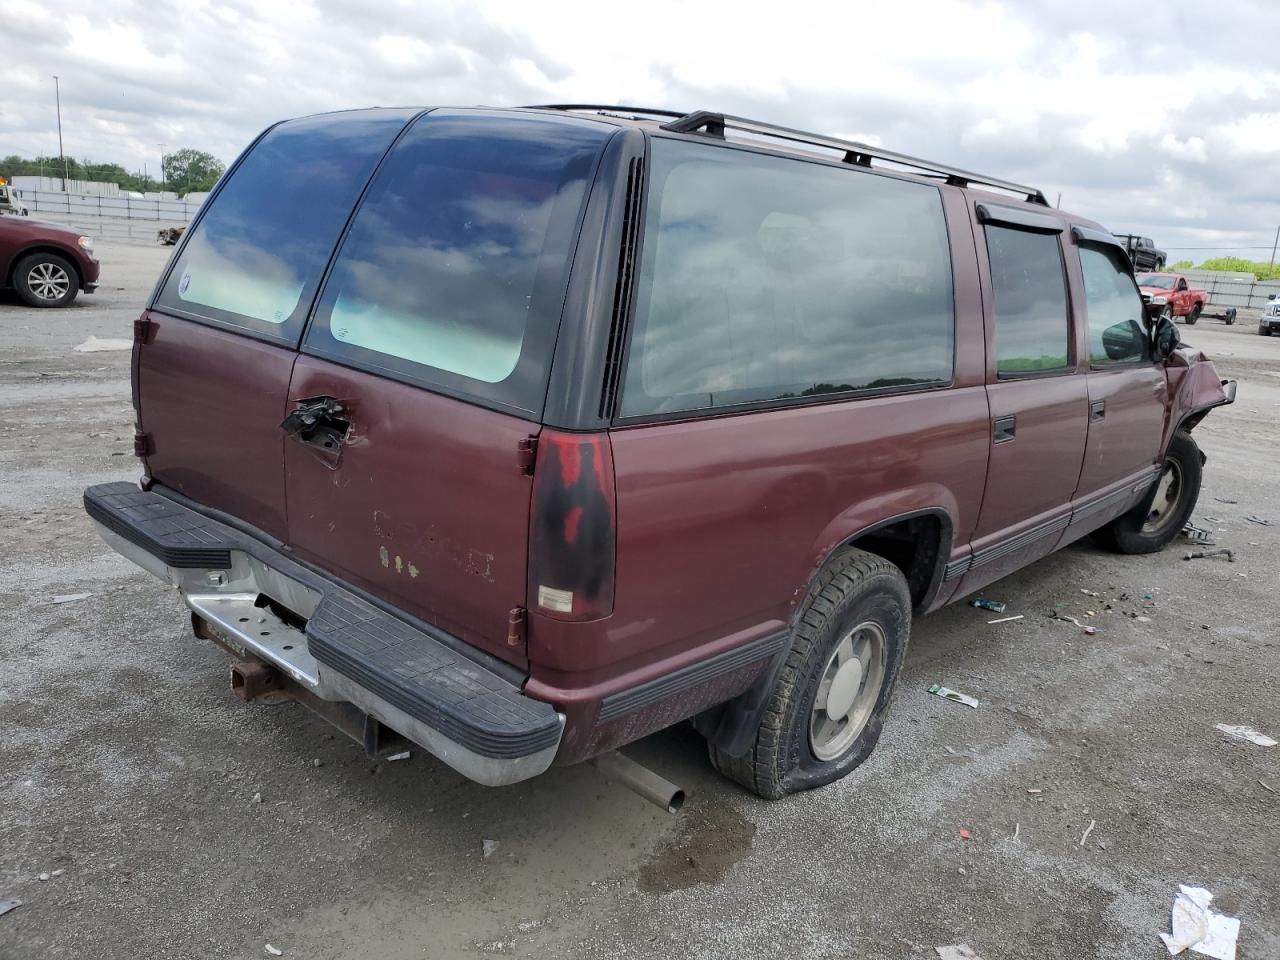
<point>1116,331</point>
<point>768,278</point>
<point>1030,300</point>
<point>454,271</point>
<point>255,258</point>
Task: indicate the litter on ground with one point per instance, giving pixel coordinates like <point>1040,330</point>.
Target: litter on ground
<point>1247,734</point>
<point>1006,619</point>
<point>948,694</point>
<point>402,755</point>
<point>1225,500</point>
<point>1259,520</point>
<point>959,951</point>
<point>1206,554</point>
<point>487,847</point>
<point>995,606</point>
<point>7,905</point>
<point>102,345</point>
<point>70,597</point>
<point>1195,925</point>
<point>274,951</point>
<point>1088,830</point>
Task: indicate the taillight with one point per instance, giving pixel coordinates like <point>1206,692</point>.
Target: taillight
<point>572,529</point>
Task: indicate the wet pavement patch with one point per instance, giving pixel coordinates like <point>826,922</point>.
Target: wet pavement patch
<point>711,840</point>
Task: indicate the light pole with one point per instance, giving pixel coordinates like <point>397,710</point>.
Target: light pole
<point>162,184</point>
<point>57,95</point>
<point>1273,247</point>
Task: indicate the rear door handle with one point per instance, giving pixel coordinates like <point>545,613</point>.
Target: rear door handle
<point>1003,429</point>
<point>1097,411</point>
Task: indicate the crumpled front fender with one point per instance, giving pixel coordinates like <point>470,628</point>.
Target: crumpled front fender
<point>1194,388</point>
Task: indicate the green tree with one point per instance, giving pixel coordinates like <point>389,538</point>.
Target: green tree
<point>1181,265</point>
<point>1259,268</point>
<point>191,171</point>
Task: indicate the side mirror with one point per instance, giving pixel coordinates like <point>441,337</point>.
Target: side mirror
<point>1165,338</point>
<point>1123,341</point>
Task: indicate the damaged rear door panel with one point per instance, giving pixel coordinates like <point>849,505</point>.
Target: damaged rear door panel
<point>428,358</point>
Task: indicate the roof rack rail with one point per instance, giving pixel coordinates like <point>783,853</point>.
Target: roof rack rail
<point>613,108</point>
<point>861,154</point>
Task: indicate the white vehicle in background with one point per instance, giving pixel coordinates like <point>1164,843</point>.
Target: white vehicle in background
<point>9,202</point>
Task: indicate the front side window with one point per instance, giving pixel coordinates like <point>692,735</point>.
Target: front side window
<point>454,270</point>
<point>769,278</point>
<point>255,258</point>
<point>1116,330</point>
<point>1029,293</point>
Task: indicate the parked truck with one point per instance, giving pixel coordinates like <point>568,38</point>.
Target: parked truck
<point>1143,252</point>
<point>1169,295</point>
<point>9,202</point>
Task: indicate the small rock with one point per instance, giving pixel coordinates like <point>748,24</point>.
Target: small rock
<point>43,877</point>
<point>317,762</point>
<point>487,847</point>
<point>257,798</point>
<point>274,951</point>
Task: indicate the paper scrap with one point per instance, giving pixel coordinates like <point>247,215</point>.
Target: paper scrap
<point>947,693</point>
<point>102,345</point>
<point>1248,734</point>
<point>959,951</point>
<point>71,597</point>
<point>1195,925</point>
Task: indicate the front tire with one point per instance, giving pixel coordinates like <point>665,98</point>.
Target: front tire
<point>828,704</point>
<point>46,280</point>
<point>1153,523</point>
<point>1264,330</point>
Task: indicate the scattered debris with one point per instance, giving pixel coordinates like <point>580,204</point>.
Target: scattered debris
<point>274,951</point>
<point>402,755</point>
<point>257,798</point>
<point>102,345</point>
<point>1207,554</point>
<point>1263,782</point>
<point>1260,521</point>
<point>1198,534</point>
<point>1143,619</point>
<point>964,834</point>
<point>1209,519</point>
<point>947,693</point>
<point>7,905</point>
<point>43,877</point>
<point>1034,790</point>
<point>1090,593</point>
<point>1006,619</point>
<point>1091,631</point>
<point>1065,619</point>
<point>1017,829</point>
<point>959,951</point>
<point>70,597</point>
<point>1246,733</point>
<point>1195,925</point>
<point>487,847</point>
<point>1088,830</point>
<point>1148,595</point>
<point>317,762</point>
<point>59,872</point>
<point>1225,500</point>
<point>995,606</point>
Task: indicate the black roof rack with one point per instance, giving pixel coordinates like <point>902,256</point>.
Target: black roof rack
<point>715,124</point>
<point>609,108</point>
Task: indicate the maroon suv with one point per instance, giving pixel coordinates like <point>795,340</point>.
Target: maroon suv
<point>45,263</point>
<point>524,433</point>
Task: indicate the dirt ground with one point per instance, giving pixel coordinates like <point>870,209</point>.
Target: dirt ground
<point>129,771</point>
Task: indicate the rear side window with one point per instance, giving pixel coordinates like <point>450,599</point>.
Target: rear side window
<point>1029,292</point>
<point>255,258</point>
<point>454,271</point>
<point>1116,331</point>
<point>768,278</point>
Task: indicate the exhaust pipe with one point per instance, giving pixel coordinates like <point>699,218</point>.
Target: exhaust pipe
<point>657,790</point>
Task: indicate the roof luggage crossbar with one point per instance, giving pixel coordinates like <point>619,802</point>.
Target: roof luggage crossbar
<point>715,124</point>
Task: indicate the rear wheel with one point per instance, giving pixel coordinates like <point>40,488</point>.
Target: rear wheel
<point>825,712</point>
<point>1153,523</point>
<point>46,280</point>
<point>1193,316</point>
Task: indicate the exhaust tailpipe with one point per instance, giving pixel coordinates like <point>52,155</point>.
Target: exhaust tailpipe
<point>654,788</point>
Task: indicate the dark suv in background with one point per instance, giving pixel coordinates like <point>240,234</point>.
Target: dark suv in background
<point>525,433</point>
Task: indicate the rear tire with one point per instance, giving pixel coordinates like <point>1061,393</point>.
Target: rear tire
<point>1193,316</point>
<point>1153,523</point>
<point>847,647</point>
<point>46,280</point>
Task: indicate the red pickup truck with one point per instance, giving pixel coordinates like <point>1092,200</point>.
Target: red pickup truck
<point>1169,294</point>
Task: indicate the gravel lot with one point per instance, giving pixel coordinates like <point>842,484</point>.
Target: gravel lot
<point>126,763</point>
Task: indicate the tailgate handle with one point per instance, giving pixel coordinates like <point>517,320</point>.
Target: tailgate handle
<point>320,423</point>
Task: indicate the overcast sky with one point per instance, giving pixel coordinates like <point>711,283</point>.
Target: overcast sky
<point>1164,120</point>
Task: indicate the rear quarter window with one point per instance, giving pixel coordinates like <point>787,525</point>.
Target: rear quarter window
<point>454,271</point>
<point>255,258</point>
<point>767,278</point>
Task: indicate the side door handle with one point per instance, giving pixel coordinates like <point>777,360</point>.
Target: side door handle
<point>1097,410</point>
<point>1003,429</point>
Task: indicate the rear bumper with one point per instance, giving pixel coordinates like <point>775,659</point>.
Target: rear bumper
<point>331,641</point>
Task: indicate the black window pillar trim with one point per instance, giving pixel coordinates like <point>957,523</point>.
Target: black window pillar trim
<point>578,363</point>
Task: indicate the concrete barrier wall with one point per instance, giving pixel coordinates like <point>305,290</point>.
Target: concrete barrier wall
<point>83,205</point>
<point>1241,291</point>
